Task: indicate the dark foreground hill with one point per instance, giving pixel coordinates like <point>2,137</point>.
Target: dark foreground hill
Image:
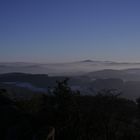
<point>66,115</point>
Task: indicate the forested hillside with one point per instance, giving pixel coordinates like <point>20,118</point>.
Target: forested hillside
<point>67,115</point>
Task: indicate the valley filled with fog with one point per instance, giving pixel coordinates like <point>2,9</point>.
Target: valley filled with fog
<point>67,69</point>
<point>89,77</point>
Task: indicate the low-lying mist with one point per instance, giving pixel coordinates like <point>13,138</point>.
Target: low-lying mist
<point>74,68</point>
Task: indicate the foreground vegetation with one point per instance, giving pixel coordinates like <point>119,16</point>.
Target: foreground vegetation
<point>105,116</point>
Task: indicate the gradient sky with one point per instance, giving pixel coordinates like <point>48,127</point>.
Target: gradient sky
<point>69,30</point>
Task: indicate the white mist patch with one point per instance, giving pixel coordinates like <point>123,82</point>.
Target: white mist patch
<point>27,86</point>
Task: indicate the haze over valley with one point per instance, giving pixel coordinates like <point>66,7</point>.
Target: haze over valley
<point>87,76</point>
<point>67,69</point>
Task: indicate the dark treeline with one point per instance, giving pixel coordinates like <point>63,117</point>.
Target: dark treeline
<point>70,116</point>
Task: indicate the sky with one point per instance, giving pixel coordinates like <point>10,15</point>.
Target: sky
<point>69,30</point>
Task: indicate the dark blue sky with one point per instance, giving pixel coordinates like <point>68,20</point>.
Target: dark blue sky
<point>69,30</point>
